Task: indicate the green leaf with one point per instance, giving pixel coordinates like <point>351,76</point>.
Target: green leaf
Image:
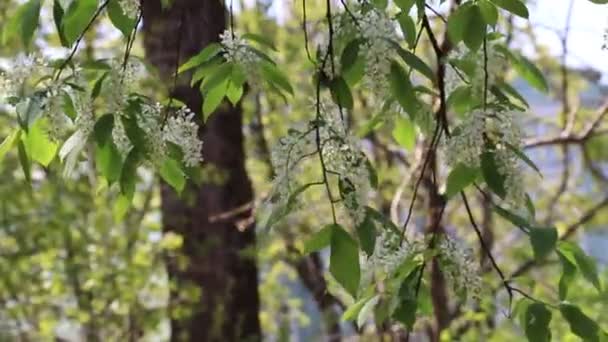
<point>599,2</point>
<point>273,75</point>
<point>514,6</point>
<point>517,220</point>
<point>528,71</point>
<point>366,232</point>
<point>568,274</point>
<point>108,161</point>
<point>458,22</point>
<point>352,311</point>
<point>128,174</point>
<point>461,100</point>
<point>9,143</point>
<point>580,324</point>
<point>103,129</point>
<point>77,18</point>
<point>586,264</point>
<point>98,84</point>
<point>405,5</point>
<point>488,12</point>
<point>23,23</point>
<point>25,161</point>
<point>205,55</point>
<point>408,27</point>
<point>29,21</point>
<point>475,31</point>
<point>38,145</point>
<point>537,318</point>
<point>402,90</point>
<point>543,241</point>
<point>508,89</point>
<point>367,310</point>
<point>234,93</point>
<point>319,240</point>
<point>349,55</point>
<point>213,98</point>
<point>404,133</point>
<point>172,173</point>
<point>219,75</point>
<point>459,178</point>
<point>122,22</point>
<point>493,178</point>
<point>58,13</point>
<point>408,300</point>
<point>260,40</point>
<point>341,93</point>
<point>344,260</point>
<point>521,155</point>
<point>415,62</point>
<point>205,69</point>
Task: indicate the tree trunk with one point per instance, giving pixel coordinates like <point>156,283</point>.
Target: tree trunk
<point>217,267</point>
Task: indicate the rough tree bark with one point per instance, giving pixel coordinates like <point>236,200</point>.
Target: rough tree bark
<point>227,309</point>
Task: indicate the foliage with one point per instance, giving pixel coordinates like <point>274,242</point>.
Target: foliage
<point>458,125</point>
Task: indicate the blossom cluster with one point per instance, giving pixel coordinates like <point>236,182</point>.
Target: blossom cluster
<point>375,29</point>
<point>30,80</point>
<point>389,253</point>
<point>492,64</point>
<point>341,155</point>
<point>130,8</point>
<point>238,51</point>
<point>459,267</point>
<point>496,131</point>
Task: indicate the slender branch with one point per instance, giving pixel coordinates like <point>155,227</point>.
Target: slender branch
<point>75,48</point>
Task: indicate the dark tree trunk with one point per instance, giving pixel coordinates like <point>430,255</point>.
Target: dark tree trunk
<point>214,241</point>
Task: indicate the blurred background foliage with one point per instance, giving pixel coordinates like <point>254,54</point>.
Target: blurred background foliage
<point>75,259</point>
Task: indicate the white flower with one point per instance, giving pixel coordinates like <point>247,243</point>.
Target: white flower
<point>13,80</point>
<point>119,83</point>
<point>130,8</point>
<point>149,120</point>
<point>389,254</point>
<point>53,104</point>
<point>183,131</point>
<point>85,121</point>
<point>499,131</point>
<point>237,50</point>
<point>375,29</point>
<point>459,267</point>
<point>119,136</point>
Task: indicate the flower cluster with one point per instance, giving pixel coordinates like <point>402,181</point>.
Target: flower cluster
<point>12,82</point>
<point>119,83</point>
<point>183,131</point>
<point>130,8</point>
<point>341,155</point>
<point>237,50</point>
<point>495,131</point>
<point>460,268</point>
<point>389,254</point>
<point>478,67</point>
<point>375,28</point>
<point>180,130</point>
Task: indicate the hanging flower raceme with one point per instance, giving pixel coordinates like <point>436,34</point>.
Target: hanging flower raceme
<point>460,267</point>
<point>238,51</point>
<point>375,32</point>
<point>493,135</point>
<point>342,158</point>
